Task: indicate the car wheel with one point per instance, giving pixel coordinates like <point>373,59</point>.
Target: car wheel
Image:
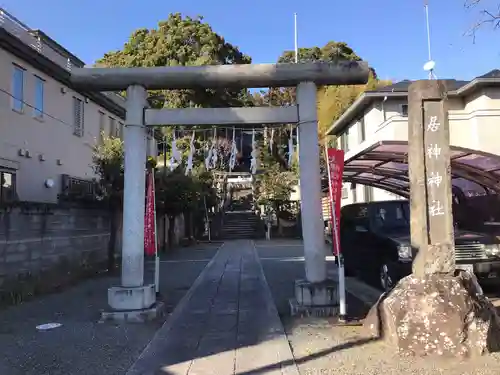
<point>386,280</point>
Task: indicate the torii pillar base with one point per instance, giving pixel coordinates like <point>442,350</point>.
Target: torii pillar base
<point>315,299</point>
<point>133,304</point>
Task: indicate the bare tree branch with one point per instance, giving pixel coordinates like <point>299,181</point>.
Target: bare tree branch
<point>486,17</point>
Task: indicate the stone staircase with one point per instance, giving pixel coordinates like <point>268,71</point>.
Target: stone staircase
<point>241,224</point>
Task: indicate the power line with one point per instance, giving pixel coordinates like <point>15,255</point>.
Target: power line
<point>44,113</point>
<point>257,128</point>
<point>205,130</point>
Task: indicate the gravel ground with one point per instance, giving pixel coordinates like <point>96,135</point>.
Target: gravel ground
<point>82,345</point>
<point>321,348</point>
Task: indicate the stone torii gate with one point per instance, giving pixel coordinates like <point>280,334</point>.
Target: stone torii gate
<point>133,297</point>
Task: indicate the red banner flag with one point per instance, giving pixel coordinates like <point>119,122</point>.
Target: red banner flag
<point>149,218</point>
<point>335,170</point>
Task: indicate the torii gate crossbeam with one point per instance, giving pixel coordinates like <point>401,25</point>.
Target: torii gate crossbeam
<point>135,297</point>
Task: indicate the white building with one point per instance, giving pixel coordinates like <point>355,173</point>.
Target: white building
<point>47,129</point>
<point>382,115</point>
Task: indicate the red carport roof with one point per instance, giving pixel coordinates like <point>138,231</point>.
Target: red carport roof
<point>384,165</point>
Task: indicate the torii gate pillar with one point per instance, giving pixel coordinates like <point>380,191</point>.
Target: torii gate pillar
<point>133,295</point>
<point>310,184</point>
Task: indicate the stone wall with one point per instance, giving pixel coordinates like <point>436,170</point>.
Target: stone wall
<point>48,246</point>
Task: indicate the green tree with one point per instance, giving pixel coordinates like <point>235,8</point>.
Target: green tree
<point>275,185</point>
<point>108,165</point>
<point>332,101</point>
<point>331,51</point>
<point>275,182</point>
<point>190,195</point>
<point>182,41</point>
<point>175,193</point>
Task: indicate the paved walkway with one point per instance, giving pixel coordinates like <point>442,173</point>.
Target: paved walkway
<point>82,345</point>
<point>226,324</point>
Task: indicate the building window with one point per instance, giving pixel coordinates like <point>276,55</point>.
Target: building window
<point>78,123</point>
<point>18,89</point>
<point>404,110</point>
<point>112,127</point>
<point>39,90</point>
<point>102,125</point>
<point>7,185</point>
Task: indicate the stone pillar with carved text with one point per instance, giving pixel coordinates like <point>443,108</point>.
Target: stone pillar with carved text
<point>436,309</point>
<point>430,179</point>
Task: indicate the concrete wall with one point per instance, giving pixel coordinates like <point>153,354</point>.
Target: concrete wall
<point>44,249</point>
<point>50,244</point>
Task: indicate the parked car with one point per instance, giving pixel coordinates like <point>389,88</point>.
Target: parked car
<point>375,242</point>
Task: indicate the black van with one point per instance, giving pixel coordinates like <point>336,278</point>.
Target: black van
<point>375,242</point>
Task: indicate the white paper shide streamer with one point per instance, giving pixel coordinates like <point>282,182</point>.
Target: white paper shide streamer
<point>208,156</point>
<point>176,156</point>
<point>290,148</point>
<point>271,140</point>
<point>189,166</point>
<point>253,161</point>
<point>234,152</point>
<point>215,156</point>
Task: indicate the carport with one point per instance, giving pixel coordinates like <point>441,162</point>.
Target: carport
<point>384,165</point>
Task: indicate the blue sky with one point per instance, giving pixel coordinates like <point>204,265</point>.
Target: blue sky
<point>389,34</point>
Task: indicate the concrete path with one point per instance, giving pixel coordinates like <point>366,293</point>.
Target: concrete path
<point>82,345</point>
<point>226,324</point>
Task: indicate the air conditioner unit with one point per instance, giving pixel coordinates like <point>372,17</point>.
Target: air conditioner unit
<point>41,157</point>
<point>63,90</point>
<point>59,162</point>
<point>28,154</point>
<point>21,152</point>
